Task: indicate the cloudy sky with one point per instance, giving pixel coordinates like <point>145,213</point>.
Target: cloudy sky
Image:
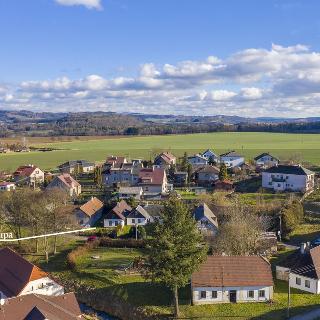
<point>247,58</point>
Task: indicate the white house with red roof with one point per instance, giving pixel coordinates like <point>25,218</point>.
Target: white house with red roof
<point>28,174</point>
<point>20,277</point>
<point>165,159</point>
<point>66,182</point>
<point>153,181</point>
<point>7,186</point>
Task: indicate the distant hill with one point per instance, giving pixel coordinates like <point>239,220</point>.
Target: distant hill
<point>27,123</point>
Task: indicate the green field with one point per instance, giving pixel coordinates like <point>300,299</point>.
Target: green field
<point>304,147</point>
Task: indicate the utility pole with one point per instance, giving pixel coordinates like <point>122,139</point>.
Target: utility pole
<point>289,297</point>
<point>136,225</point>
<point>280,227</point>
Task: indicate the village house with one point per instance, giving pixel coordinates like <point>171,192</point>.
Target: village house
<point>138,217</point>
<point>224,185</point>
<point>197,159</point>
<point>40,307</point>
<point>122,214</point>
<point>130,192</point>
<point>153,181</point>
<point>90,213</point>
<point>223,279</point>
<point>28,175</point>
<point>206,175</point>
<point>288,178</point>
<point>114,162</point>
<point>7,186</point>
<point>232,159</point>
<point>117,215</point>
<point>77,166</point>
<point>210,155</point>
<point>165,160</point>
<point>303,266</point>
<point>124,173</point>
<point>180,178</point>
<point>266,160</point>
<point>20,277</point>
<point>66,182</point>
<point>207,221</point>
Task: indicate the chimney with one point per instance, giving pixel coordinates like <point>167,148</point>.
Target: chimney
<point>303,247</point>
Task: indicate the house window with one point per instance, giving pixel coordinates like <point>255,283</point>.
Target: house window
<point>251,294</point>
<point>262,294</point>
<point>214,294</point>
<point>203,294</point>
<point>307,283</point>
<point>110,223</point>
<point>116,223</point>
<point>298,281</point>
<point>133,221</point>
<point>139,220</point>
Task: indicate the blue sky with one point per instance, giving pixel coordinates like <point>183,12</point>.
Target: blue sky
<point>130,55</point>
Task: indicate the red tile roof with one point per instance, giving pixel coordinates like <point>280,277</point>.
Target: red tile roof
<point>92,206</point>
<point>25,171</point>
<point>233,271</point>
<point>35,306</point>
<point>16,272</point>
<point>154,176</point>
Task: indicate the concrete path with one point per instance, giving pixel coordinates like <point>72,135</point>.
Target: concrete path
<point>311,315</point>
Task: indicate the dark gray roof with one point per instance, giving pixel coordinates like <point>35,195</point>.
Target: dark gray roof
<point>138,212</point>
<point>264,155</point>
<point>154,210</point>
<point>290,169</point>
<point>204,211</point>
<point>231,154</point>
<point>306,264</point>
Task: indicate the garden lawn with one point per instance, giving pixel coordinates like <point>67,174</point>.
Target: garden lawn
<point>250,144</point>
<point>103,274</point>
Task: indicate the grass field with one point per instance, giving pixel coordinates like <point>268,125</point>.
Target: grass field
<point>305,147</point>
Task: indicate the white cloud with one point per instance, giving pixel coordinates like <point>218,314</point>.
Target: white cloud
<point>282,81</point>
<point>90,4</point>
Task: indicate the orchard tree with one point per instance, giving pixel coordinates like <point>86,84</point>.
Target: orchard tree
<point>176,249</point>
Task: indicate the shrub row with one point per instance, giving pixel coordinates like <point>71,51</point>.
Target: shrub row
<point>79,252</point>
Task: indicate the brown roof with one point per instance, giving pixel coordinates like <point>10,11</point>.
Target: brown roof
<point>235,271</point>
<point>115,162</point>
<point>35,306</point>
<point>154,176</point>
<point>25,171</point>
<point>68,180</point>
<point>16,272</point>
<point>92,206</point>
<point>118,212</point>
<point>166,156</point>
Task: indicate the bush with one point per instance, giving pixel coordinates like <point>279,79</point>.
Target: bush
<point>80,251</point>
<point>292,216</point>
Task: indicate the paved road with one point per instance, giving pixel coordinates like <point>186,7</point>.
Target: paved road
<point>311,315</point>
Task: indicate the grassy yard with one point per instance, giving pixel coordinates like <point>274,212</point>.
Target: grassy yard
<point>105,274</point>
<point>254,198</point>
<point>304,146</point>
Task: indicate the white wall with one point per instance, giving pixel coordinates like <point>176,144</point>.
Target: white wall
<point>282,274</point>
<point>134,221</point>
<point>291,181</point>
<point>114,222</point>
<point>45,286</point>
<point>232,162</point>
<point>223,294</point>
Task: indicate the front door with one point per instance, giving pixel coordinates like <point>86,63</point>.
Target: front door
<point>233,296</point>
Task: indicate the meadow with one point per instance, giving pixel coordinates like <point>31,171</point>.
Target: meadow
<point>301,147</point>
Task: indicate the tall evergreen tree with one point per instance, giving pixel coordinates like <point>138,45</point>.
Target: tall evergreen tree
<point>176,249</point>
<point>223,174</point>
<point>184,162</point>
